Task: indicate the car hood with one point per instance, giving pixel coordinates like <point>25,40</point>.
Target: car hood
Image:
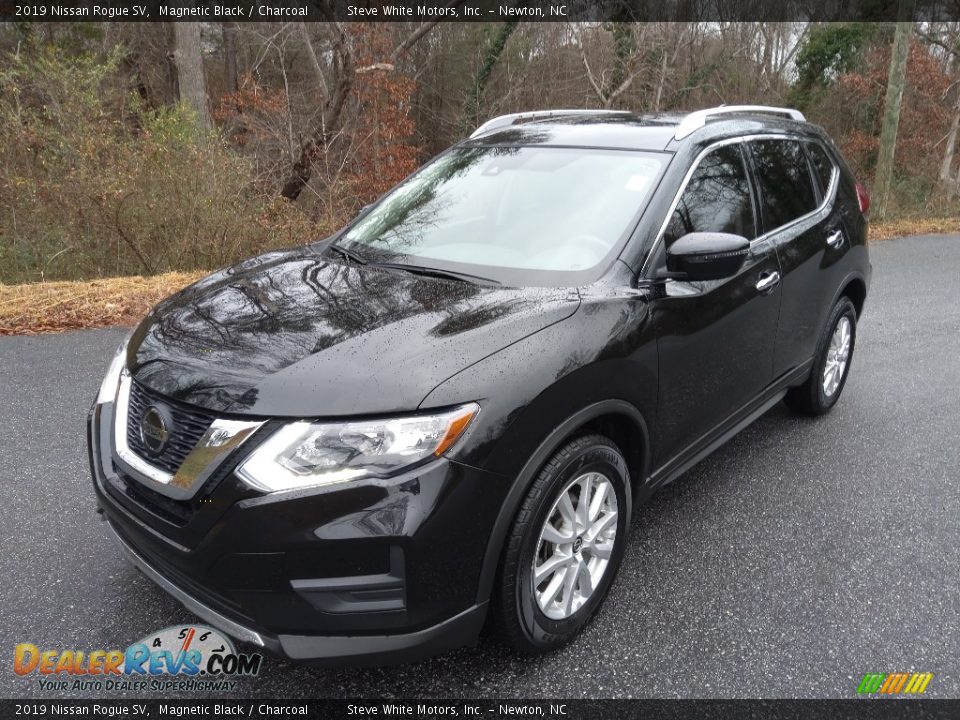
<point>298,333</point>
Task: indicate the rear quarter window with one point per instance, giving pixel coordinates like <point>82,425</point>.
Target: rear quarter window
<point>786,188</point>
<point>822,165</point>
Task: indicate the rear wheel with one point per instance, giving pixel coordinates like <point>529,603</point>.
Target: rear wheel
<point>831,365</point>
<point>564,547</point>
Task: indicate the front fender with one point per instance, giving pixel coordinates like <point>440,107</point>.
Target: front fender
<point>537,393</point>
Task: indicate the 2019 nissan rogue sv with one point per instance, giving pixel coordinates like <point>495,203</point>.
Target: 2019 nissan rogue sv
<point>364,448</point>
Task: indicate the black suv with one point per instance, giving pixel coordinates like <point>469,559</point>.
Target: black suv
<point>367,447</point>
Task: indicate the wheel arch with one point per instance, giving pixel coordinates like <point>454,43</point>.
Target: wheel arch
<point>855,288</point>
<point>617,419</point>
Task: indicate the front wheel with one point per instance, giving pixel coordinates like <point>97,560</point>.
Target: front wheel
<point>831,365</point>
<point>565,546</point>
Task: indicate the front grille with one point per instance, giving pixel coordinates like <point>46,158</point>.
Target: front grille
<point>175,512</point>
<point>189,425</point>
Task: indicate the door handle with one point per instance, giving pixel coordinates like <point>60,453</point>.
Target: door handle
<point>835,239</point>
<point>768,281</point>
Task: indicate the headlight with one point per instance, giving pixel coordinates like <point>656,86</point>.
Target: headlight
<point>304,454</point>
<point>108,388</point>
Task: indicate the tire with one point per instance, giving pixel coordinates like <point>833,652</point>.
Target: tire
<point>517,615</point>
<point>812,398</point>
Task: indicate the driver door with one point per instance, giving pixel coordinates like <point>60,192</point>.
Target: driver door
<point>716,338</point>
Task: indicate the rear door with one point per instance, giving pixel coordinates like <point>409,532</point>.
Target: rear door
<point>798,223</point>
<point>715,339</point>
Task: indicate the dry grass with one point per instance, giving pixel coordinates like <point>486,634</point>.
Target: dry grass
<point>54,306</point>
<point>901,227</point>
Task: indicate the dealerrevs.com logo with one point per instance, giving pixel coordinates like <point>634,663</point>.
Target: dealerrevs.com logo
<point>178,658</point>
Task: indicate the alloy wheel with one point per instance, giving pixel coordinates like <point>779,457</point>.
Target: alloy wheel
<point>837,355</point>
<point>575,545</point>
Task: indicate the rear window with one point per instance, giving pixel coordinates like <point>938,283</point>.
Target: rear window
<point>785,184</point>
<point>822,165</point>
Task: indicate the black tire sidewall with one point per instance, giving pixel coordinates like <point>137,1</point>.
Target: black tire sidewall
<point>540,630</point>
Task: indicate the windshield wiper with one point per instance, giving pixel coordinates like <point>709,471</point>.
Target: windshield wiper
<point>349,254</point>
<point>437,272</point>
<point>414,269</point>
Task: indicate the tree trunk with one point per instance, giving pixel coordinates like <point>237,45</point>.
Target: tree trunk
<point>624,46</point>
<point>188,58</point>
<point>946,167</point>
<point>896,81</point>
<point>312,57</point>
<point>661,82</point>
<point>231,76</point>
<point>329,124</point>
<point>491,56</point>
<point>945,176</point>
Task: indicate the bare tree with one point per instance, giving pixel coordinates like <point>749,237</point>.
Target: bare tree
<point>492,51</point>
<point>231,75</point>
<point>312,57</point>
<point>329,121</point>
<point>896,81</point>
<point>948,43</point>
<point>945,176</point>
<point>344,71</point>
<point>188,58</point>
<point>613,82</point>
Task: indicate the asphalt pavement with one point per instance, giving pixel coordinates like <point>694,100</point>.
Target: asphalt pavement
<point>803,554</point>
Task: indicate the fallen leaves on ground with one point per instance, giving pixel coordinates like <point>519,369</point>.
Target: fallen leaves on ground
<point>902,227</point>
<point>47,307</point>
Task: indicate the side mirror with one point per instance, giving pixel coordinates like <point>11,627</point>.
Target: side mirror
<point>706,256</point>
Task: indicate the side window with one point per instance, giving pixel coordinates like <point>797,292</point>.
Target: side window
<point>822,165</point>
<point>717,198</point>
<point>786,189</point>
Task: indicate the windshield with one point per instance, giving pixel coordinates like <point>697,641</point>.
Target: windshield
<point>522,215</point>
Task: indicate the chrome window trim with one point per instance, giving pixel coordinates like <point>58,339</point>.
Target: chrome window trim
<point>826,201</point>
<point>831,190</point>
<point>222,438</point>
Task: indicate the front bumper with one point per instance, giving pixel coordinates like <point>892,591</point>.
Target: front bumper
<point>368,572</point>
<point>459,630</point>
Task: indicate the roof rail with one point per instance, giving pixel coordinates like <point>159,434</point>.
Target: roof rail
<point>696,120</point>
<point>514,118</point>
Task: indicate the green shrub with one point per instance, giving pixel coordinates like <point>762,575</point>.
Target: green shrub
<point>93,184</point>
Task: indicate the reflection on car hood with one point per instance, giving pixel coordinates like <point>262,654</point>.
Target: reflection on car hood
<point>297,333</point>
